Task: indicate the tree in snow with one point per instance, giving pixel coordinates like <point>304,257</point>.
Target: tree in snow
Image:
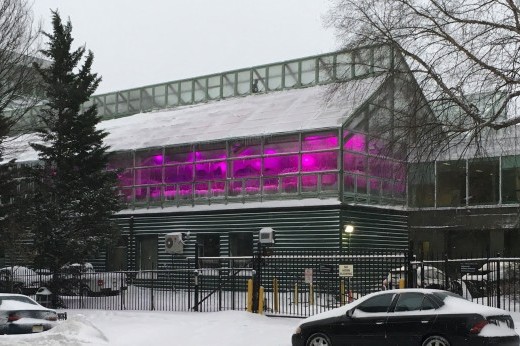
<point>465,55</point>
<point>75,196</point>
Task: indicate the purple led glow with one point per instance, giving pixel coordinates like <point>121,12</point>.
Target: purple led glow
<point>158,159</point>
<point>355,142</point>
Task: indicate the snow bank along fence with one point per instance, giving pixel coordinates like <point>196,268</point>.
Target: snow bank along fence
<point>290,283</point>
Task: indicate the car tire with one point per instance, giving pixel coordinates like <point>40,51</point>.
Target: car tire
<point>436,340</point>
<point>318,339</point>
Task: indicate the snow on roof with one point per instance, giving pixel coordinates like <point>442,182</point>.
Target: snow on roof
<point>254,115</point>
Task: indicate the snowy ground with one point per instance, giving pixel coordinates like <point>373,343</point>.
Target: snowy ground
<point>129,328</point>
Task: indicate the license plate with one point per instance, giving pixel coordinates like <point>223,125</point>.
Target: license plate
<point>37,329</point>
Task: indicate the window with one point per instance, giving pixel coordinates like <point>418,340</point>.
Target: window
<point>451,183</point>
<point>413,302</point>
<point>209,245</point>
<point>379,303</point>
<point>483,181</point>
<point>146,253</point>
<point>241,244</point>
<point>511,179</point>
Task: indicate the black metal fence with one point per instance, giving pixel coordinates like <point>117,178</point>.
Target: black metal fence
<point>293,283</point>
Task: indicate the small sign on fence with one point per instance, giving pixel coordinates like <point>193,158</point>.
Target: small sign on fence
<point>308,275</point>
<point>346,270</point>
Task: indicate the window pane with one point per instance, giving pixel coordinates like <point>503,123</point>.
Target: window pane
<point>354,141</point>
<point>121,160</point>
<point>148,176</point>
<point>319,141</point>
<point>275,165</point>
<point>282,144</point>
<point>179,155</point>
<point>178,173</point>
<point>210,152</point>
<point>247,168</point>
<point>126,177</point>
<point>320,161</point>
<point>211,170</point>
<point>290,184</point>
<point>153,157</point>
<point>379,303</point>
<point>310,183</point>
<point>241,244</point>
<point>483,181</point>
<point>511,179</point>
<point>451,183</point>
<point>355,163</point>
<point>249,148</point>
<point>209,245</point>
<point>422,185</point>
<point>409,302</point>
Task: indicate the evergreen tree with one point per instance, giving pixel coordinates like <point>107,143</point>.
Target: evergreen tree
<point>75,194</point>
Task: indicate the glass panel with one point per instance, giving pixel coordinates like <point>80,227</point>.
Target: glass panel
<point>308,73</point>
<point>155,193</point>
<point>121,160</point>
<point>320,161</point>
<point>344,66</point>
<point>354,141</point>
<point>379,147</point>
<point>382,58</point>
<point>259,80</point>
<point>235,188</point>
<point>160,96</point>
<point>354,163</point>
<point>170,191</point>
<point>244,82</point>
<point>275,77</point>
<point>362,62</point>
<point>126,177</point>
<point>320,140</point>
<point>141,194</point>
<point>210,170</point>
<point>289,184</point>
<point>246,168</point>
<point>380,168</point>
<point>214,87</point>
<point>218,188</point>
<point>291,74</point>
<point>246,148</point>
<point>252,186</point>
<point>329,182</point>
<point>122,102</point>
<point>276,165</point>
<point>326,69</point>
<point>310,183</point>
<point>134,100</point>
<point>110,103</point>
<point>178,173</point>
<point>200,89</point>
<point>241,244</point>
<point>361,184</point>
<point>483,181</point>
<point>145,176</point>
<point>151,157</point>
<point>228,87</point>
<point>179,154</point>
<point>511,179</point>
<point>146,99</point>
<point>185,191</point>
<point>375,187</point>
<point>451,183</point>
<point>282,144</point>
<point>201,189</point>
<point>271,185</point>
<point>173,94</point>
<point>422,185</point>
<point>210,152</point>
<point>186,92</point>
<point>126,195</point>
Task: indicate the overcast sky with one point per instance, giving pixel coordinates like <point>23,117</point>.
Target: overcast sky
<point>137,43</point>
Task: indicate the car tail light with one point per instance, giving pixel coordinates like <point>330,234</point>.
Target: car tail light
<point>100,282</point>
<point>51,317</point>
<point>13,317</point>
<point>477,327</point>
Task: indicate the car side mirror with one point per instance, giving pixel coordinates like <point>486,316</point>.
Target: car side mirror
<point>350,313</point>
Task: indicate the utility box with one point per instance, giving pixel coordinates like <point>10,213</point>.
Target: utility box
<point>44,297</point>
<point>174,242</point>
<point>266,235</point>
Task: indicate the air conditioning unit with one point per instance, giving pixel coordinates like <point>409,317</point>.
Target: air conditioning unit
<point>174,242</point>
<point>266,235</point>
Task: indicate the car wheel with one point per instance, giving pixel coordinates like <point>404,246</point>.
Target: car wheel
<point>85,291</point>
<point>436,340</point>
<point>318,339</point>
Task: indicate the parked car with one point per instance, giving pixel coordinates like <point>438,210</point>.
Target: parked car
<point>415,317</point>
<point>18,279</point>
<point>82,279</point>
<point>483,281</point>
<point>20,314</point>
<point>433,278</point>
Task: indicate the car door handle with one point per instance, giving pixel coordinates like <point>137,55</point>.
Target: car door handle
<point>424,322</point>
<point>379,323</point>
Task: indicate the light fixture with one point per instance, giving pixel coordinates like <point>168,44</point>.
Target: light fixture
<point>348,228</point>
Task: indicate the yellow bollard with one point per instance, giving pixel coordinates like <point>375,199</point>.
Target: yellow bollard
<point>342,292</point>
<point>311,294</point>
<point>402,283</point>
<point>261,299</point>
<point>276,299</point>
<point>295,294</point>
<point>249,306</point>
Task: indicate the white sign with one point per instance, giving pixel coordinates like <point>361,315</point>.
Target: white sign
<point>308,275</point>
<point>346,270</point>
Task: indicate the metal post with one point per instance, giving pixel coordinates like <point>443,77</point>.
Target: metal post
<point>498,281</point>
<point>410,272</point>
<point>257,265</point>
<point>196,278</point>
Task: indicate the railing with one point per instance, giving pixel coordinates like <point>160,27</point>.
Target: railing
<point>298,73</point>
